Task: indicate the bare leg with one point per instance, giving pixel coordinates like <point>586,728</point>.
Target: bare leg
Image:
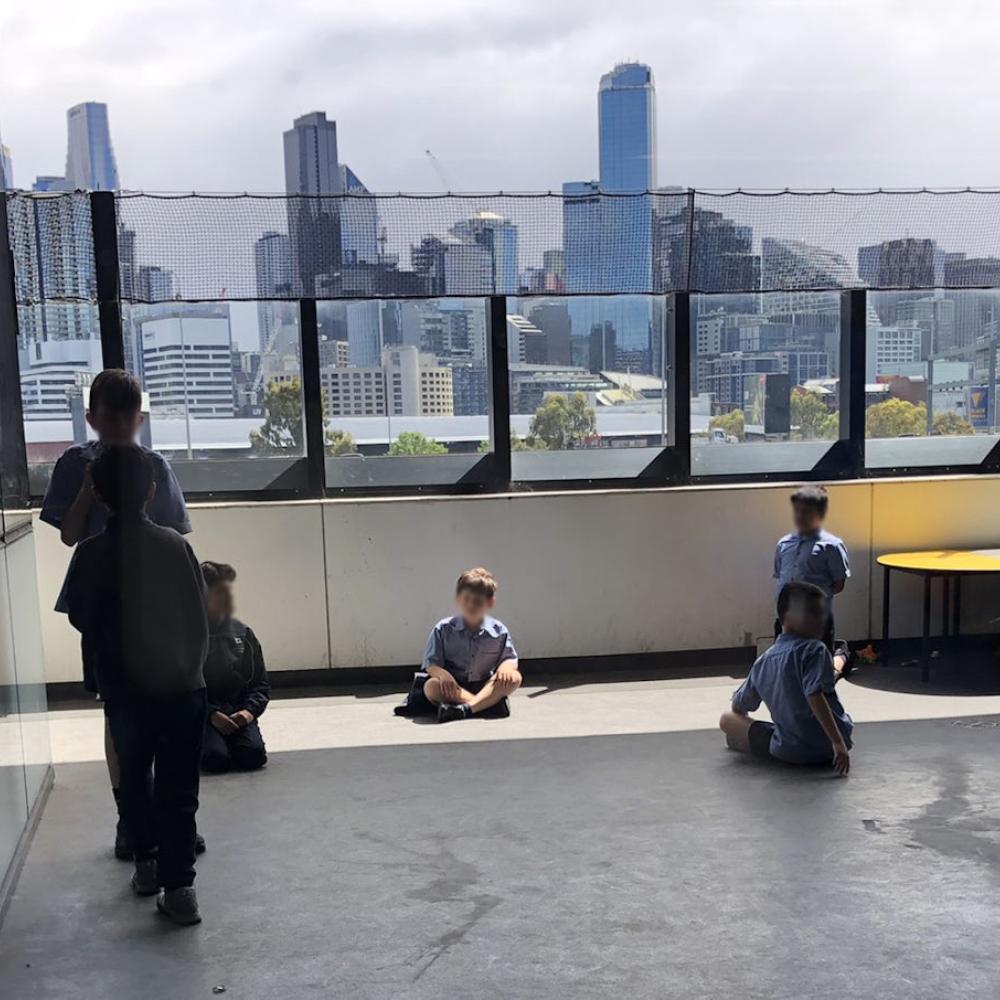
<point>111,757</point>
<point>839,660</point>
<point>737,730</point>
<point>432,692</point>
<point>491,693</point>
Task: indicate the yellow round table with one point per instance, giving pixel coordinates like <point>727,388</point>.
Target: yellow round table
<point>948,564</point>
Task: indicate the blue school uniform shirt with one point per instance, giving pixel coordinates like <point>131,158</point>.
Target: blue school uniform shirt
<point>818,558</point>
<point>166,509</point>
<point>470,657</point>
<point>783,678</point>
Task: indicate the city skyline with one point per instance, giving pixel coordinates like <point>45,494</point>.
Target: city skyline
<point>461,80</point>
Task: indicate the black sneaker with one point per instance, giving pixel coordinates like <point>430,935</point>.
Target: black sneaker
<point>180,906</point>
<point>199,844</point>
<point>451,713</point>
<point>501,710</point>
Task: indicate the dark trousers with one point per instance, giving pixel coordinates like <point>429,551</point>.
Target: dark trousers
<point>165,734</point>
<point>828,635</point>
<point>243,751</point>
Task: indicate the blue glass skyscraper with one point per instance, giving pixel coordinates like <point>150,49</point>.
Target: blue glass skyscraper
<point>90,158</point>
<point>608,223</point>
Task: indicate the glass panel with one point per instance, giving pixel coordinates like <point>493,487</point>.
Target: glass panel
<point>764,381</point>
<point>406,392</point>
<point>588,388</point>
<point>223,386</point>
<point>59,350</point>
<point>931,379</point>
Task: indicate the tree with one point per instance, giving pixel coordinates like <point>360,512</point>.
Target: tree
<point>340,443</point>
<point>896,418</point>
<point>282,430</point>
<point>562,422</point>
<point>951,422</point>
<point>415,443</point>
<point>731,423</point>
<point>811,420</point>
<point>517,443</point>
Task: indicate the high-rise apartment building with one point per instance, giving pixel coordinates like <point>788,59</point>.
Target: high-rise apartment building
<point>6,169</point>
<point>90,158</point>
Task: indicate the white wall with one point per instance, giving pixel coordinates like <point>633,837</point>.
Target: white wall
<point>350,583</point>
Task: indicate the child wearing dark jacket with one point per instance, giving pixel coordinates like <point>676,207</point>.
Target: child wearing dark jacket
<point>236,681</point>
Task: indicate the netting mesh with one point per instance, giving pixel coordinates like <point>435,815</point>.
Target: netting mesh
<point>581,242</point>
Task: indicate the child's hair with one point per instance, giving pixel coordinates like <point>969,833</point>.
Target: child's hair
<point>216,572</point>
<point>478,581</point>
<point>812,496</point>
<point>117,390</point>
<point>123,476</point>
<point>807,593</point>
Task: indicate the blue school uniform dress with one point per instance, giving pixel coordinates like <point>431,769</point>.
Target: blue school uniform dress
<point>471,657</point>
<point>783,678</point>
<point>166,509</point>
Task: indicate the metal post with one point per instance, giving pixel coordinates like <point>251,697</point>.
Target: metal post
<point>312,395</point>
<point>886,573</point>
<point>853,347</point>
<point>14,487</point>
<point>925,643</point>
<point>680,383</point>
<point>104,225</point>
<point>499,378</point>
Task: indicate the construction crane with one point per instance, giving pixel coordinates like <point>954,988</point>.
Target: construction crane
<point>439,170</point>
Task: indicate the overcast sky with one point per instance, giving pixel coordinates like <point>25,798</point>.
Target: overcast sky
<point>758,93</point>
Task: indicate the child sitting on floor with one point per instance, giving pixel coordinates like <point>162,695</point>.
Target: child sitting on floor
<point>235,679</point>
<point>470,664</point>
<point>795,678</point>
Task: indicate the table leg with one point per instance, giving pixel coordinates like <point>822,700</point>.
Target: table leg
<point>925,645</point>
<point>945,605</point>
<point>885,615</point>
<point>956,616</point>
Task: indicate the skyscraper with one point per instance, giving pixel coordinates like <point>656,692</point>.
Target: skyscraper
<point>627,128</point>
<point>273,270</point>
<point>90,158</point>
<point>6,169</point>
<point>311,168</point>
<point>608,238</point>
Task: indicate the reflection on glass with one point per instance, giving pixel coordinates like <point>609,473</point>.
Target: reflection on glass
<point>764,380</point>
<point>404,378</point>
<point>931,378</point>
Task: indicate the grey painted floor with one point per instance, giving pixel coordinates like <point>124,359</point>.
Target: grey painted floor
<point>640,865</point>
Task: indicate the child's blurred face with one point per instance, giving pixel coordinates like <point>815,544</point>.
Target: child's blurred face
<point>806,617</point>
<point>219,602</point>
<point>807,518</point>
<point>473,607</point>
<point>115,426</point>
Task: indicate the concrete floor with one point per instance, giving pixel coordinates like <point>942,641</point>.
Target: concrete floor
<point>650,865</point>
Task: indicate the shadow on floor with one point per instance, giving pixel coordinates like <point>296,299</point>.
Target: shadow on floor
<point>969,674</point>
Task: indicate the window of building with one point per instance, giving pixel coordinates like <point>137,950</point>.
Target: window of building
<point>589,394</point>
<point>931,378</point>
<point>419,411</point>
<point>765,381</point>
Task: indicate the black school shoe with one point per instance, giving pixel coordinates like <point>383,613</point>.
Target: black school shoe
<point>501,710</point>
<point>452,713</point>
<point>123,851</point>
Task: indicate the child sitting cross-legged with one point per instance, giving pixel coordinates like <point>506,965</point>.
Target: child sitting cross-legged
<point>469,665</point>
<point>795,678</point>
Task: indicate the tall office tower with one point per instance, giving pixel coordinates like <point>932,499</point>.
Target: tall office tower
<point>6,169</point>
<point>311,168</point>
<point>90,159</point>
<point>359,220</point>
<point>272,256</point>
<point>485,249</point>
<point>608,223</point>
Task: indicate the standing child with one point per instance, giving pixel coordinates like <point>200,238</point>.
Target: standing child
<point>235,679</point>
<point>810,554</point>
<point>795,678</point>
<point>469,663</point>
<point>114,412</point>
<point>136,594</point>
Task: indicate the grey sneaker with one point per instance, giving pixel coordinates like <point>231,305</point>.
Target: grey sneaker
<point>144,881</point>
<point>180,905</point>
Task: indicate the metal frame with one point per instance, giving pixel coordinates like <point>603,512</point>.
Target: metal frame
<point>844,459</point>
